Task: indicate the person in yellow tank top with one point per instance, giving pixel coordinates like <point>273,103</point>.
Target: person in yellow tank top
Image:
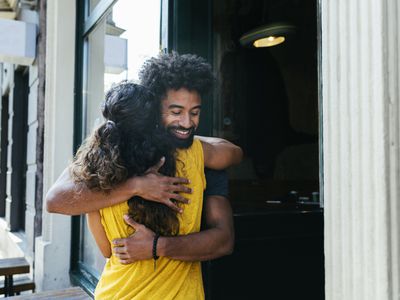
<point>178,274</point>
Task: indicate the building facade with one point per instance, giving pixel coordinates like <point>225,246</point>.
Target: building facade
<point>22,117</point>
<point>317,116</point>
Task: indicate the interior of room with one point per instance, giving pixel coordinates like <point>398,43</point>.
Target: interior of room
<point>267,99</point>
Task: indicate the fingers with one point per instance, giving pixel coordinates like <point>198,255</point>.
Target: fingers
<point>122,255</point>
<point>173,206</point>
<point>119,242</point>
<point>120,252</point>
<point>179,198</point>
<point>180,189</point>
<point>178,180</point>
<point>128,220</point>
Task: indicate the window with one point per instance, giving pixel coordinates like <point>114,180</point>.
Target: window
<point>117,37</point>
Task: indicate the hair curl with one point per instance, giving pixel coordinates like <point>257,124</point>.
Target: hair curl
<point>173,71</point>
<point>125,145</point>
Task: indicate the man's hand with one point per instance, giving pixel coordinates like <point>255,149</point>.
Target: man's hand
<point>156,187</point>
<point>215,241</point>
<point>139,246</point>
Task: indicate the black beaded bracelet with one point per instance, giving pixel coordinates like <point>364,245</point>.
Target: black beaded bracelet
<point>155,257</point>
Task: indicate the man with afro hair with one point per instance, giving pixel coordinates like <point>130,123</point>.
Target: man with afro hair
<point>171,78</point>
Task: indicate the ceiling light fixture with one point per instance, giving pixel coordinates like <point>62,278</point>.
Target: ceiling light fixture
<point>267,35</point>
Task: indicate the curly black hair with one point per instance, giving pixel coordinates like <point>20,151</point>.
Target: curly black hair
<point>127,144</point>
<point>174,71</point>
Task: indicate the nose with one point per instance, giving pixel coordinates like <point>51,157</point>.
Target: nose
<point>185,121</point>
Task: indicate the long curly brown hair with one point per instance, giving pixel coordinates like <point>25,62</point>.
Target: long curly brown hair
<point>128,143</point>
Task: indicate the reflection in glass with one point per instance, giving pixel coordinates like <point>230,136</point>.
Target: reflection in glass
<point>115,51</point>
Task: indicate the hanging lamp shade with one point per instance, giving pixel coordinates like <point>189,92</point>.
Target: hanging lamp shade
<point>267,35</point>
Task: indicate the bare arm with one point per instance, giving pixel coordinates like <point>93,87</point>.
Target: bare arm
<point>69,198</point>
<point>215,241</point>
<point>97,230</point>
<point>219,153</point>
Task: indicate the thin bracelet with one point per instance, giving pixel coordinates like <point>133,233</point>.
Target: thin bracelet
<point>155,257</point>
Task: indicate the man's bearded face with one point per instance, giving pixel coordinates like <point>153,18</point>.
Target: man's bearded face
<point>180,114</point>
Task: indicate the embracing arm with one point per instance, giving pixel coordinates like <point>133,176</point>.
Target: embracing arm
<point>219,153</point>
<point>69,198</point>
<point>215,241</point>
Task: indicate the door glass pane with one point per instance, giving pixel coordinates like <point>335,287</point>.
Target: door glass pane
<point>114,51</point>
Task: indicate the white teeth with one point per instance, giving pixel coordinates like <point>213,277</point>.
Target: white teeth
<point>182,132</point>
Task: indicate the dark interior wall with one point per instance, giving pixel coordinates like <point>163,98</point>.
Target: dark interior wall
<point>298,63</point>
<point>191,31</point>
<point>268,96</point>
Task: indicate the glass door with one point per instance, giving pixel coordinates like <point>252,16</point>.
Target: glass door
<point>114,40</point>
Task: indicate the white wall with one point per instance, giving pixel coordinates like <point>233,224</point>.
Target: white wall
<point>30,193</point>
<point>360,76</point>
<point>52,251</point>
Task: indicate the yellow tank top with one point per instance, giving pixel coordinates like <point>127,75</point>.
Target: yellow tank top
<point>172,279</point>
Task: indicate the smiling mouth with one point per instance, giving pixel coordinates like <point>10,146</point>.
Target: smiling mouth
<point>182,133</point>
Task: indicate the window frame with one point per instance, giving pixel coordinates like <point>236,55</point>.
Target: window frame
<point>86,22</point>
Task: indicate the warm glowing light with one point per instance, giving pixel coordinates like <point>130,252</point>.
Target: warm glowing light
<point>267,35</point>
<point>269,41</point>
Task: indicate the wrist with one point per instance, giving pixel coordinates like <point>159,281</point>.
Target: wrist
<point>133,187</point>
<point>161,246</point>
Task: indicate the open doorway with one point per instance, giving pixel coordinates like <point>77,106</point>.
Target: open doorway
<point>268,101</point>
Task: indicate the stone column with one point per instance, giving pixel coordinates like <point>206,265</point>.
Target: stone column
<point>361,126</point>
<point>53,248</point>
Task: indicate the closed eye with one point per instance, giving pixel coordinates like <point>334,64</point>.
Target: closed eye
<point>175,112</point>
<point>195,113</point>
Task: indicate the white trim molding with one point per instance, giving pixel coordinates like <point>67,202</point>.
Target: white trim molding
<point>52,250</point>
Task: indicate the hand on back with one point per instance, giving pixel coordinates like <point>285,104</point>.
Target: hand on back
<point>156,187</point>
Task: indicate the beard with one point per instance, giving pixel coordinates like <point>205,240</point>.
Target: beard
<point>181,143</point>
